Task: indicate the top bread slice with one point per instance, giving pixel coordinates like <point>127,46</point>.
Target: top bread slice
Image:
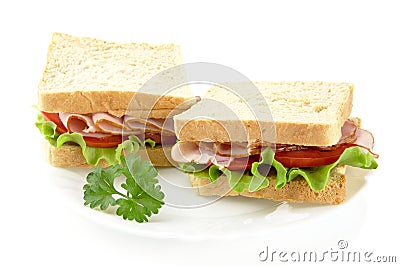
<point>301,113</point>
<point>86,75</point>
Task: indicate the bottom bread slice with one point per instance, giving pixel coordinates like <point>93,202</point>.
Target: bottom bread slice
<point>296,190</point>
<point>71,156</point>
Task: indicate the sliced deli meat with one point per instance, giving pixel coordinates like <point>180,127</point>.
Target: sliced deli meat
<point>349,130</point>
<point>237,149</point>
<point>365,139</point>
<point>107,123</point>
<point>83,124</point>
<point>149,125</point>
<point>236,156</point>
<point>77,123</point>
<point>187,152</point>
<point>102,124</point>
<point>105,130</point>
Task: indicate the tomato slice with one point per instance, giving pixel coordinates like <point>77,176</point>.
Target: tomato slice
<point>241,164</point>
<point>115,140</point>
<point>292,159</point>
<point>309,157</point>
<point>103,142</point>
<point>53,117</point>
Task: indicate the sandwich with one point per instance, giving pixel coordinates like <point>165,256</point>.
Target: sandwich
<point>285,141</point>
<point>92,104</point>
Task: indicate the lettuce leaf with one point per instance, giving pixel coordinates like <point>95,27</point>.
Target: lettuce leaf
<point>317,177</point>
<point>193,167</point>
<point>238,181</point>
<point>48,129</point>
<point>201,170</point>
<point>93,155</point>
<point>241,181</point>
<point>214,173</point>
<point>112,155</point>
<point>267,158</point>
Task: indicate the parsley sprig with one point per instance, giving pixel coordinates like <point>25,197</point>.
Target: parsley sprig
<point>142,197</point>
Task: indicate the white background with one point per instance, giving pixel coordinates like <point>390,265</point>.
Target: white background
<point>355,41</point>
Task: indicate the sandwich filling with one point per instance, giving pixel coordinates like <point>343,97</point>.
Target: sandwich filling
<point>101,135</point>
<point>250,160</point>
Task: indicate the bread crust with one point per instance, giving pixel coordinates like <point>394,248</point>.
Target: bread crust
<point>296,190</point>
<point>71,156</point>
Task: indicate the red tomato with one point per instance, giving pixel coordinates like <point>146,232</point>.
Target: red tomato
<point>103,142</point>
<point>240,164</point>
<point>53,117</point>
<point>291,159</point>
<point>309,157</point>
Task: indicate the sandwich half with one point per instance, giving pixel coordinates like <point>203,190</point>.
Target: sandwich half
<point>91,100</point>
<point>289,141</point>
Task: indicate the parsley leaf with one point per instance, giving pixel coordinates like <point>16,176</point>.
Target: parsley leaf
<point>142,197</point>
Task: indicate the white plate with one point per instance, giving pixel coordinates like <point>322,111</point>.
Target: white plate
<point>226,218</point>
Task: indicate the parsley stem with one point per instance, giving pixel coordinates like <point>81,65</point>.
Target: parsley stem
<point>127,197</point>
<point>122,195</point>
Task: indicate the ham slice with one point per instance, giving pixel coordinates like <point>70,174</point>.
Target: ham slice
<point>223,154</point>
<point>200,154</point>
<point>349,130</point>
<point>204,153</point>
<point>103,124</point>
<point>166,126</point>
<point>190,152</point>
<point>365,140</point>
<point>107,123</point>
<point>222,161</point>
<point>78,123</point>
<point>237,149</point>
<point>83,124</point>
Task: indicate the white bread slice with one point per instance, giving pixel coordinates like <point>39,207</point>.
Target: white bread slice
<point>86,75</point>
<point>296,190</point>
<point>303,113</point>
<point>71,156</point>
